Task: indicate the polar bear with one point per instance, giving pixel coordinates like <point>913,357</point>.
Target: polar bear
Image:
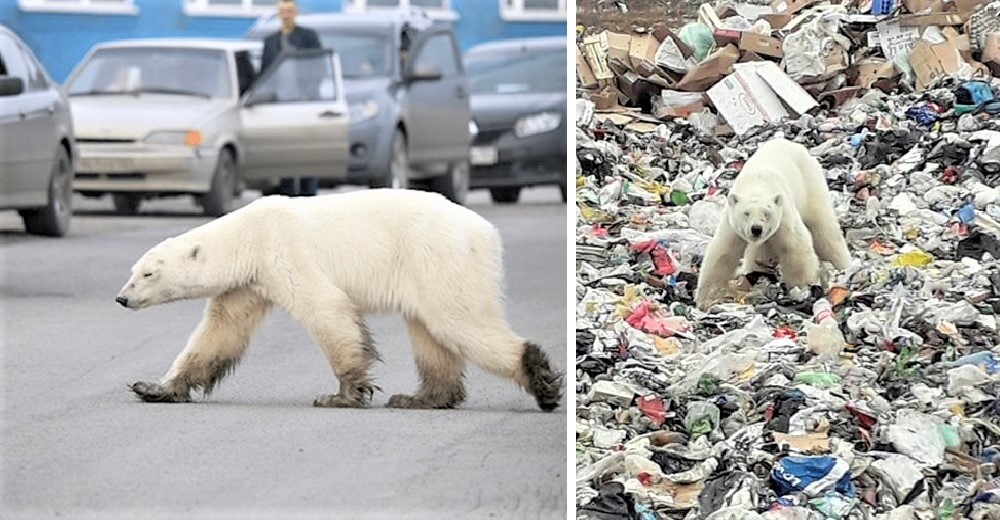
<point>327,261</point>
<point>778,212</point>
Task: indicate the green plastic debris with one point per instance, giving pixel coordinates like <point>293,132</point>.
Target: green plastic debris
<point>699,38</point>
<point>678,198</point>
<point>818,379</point>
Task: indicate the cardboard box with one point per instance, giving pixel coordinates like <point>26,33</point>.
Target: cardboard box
<point>643,49</point>
<point>926,20</point>
<point>707,16</point>
<point>758,93</point>
<point>710,71</point>
<point>673,54</point>
<point>895,39</point>
<point>725,37</point>
<point>618,46</point>
<point>777,20</point>
<point>872,70</point>
<point>991,53</point>
<point>595,49</point>
<point>966,6</point>
<point>583,71</point>
<point>930,62</point>
<point>761,44</point>
<point>605,99</point>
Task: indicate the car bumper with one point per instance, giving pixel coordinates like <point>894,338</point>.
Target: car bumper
<point>138,167</point>
<point>369,150</point>
<point>500,159</point>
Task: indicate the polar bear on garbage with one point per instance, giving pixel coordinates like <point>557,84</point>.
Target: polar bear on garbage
<point>778,213</point>
<point>327,261</point>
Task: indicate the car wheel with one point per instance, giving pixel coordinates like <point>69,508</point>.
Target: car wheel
<point>398,176</point>
<point>126,203</point>
<point>53,220</point>
<point>508,195</point>
<point>455,184</point>
<point>222,195</point>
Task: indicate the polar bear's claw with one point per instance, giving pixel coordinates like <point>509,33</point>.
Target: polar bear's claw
<point>157,393</point>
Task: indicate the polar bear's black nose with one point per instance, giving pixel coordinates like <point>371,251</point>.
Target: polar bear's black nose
<point>754,230</point>
<point>122,301</point>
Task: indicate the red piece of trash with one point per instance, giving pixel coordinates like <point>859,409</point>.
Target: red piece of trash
<point>652,407</point>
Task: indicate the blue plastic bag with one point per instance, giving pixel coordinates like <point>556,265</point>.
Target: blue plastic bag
<point>813,476</point>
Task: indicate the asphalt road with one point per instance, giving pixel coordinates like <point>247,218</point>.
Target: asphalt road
<point>77,444</point>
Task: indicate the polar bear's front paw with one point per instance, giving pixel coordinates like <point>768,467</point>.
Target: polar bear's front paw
<point>409,401</point>
<point>339,401</point>
<point>157,393</point>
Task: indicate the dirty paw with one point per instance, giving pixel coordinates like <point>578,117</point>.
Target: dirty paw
<point>408,401</point>
<point>339,401</point>
<point>157,393</point>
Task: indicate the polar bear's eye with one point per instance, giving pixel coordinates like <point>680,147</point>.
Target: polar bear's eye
<point>767,214</point>
<point>147,275</point>
<point>746,213</point>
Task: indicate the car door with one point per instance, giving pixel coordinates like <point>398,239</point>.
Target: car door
<point>294,119</point>
<point>28,126</point>
<point>437,108</point>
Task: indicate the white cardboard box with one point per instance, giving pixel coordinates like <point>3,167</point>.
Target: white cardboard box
<point>757,93</point>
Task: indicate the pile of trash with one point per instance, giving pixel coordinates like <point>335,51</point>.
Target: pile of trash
<point>754,63</point>
<point>873,396</point>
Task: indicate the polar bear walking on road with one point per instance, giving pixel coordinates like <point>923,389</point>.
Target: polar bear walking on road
<point>778,212</point>
<point>327,261</point>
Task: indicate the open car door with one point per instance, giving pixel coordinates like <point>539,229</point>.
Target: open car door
<point>294,119</point>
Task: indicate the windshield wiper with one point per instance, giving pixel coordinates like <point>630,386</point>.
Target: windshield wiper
<point>162,90</point>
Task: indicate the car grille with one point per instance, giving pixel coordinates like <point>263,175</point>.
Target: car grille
<point>488,136</point>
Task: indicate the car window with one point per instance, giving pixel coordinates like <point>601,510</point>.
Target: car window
<point>303,76</point>
<point>438,51</point>
<point>361,55</point>
<point>36,77</point>
<point>196,72</point>
<point>516,72</point>
<point>13,58</point>
<point>245,71</point>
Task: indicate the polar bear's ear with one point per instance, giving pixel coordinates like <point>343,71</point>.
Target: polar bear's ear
<point>733,200</point>
<point>777,200</point>
<point>193,253</point>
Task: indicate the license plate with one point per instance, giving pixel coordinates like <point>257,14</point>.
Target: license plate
<point>483,155</point>
<point>105,164</point>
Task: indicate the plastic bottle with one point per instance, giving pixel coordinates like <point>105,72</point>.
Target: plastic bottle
<point>825,338</point>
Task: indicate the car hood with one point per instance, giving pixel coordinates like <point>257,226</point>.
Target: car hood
<point>363,89</point>
<point>130,117</point>
<point>493,111</point>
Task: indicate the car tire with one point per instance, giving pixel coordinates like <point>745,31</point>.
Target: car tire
<point>505,195</point>
<point>454,185</point>
<point>53,220</point>
<point>126,203</point>
<point>398,174</point>
<point>222,195</point>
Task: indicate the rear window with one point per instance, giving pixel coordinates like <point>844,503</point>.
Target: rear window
<point>517,71</point>
<point>361,55</point>
<point>199,72</point>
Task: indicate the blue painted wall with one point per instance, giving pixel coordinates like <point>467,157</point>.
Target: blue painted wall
<point>60,40</point>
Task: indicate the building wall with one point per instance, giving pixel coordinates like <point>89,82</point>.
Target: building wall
<point>60,40</point>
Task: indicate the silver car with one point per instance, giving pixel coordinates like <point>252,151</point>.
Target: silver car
<point>166,117</point>
<point>36,141</point>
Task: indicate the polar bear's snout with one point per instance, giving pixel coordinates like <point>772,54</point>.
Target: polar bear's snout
<point>123,301</point>
<point>756,230</point>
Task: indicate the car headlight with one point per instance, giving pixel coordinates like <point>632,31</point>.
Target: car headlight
<point>537,124</point>
<point>191,138</point>
<point>363,111</point>
<point>473,128</point>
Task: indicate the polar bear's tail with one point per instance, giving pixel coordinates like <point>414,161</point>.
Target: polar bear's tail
<point>541,381</point>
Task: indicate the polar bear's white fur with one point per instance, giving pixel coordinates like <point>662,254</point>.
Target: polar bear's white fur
<point>778,212</point>
<point>327,261</point>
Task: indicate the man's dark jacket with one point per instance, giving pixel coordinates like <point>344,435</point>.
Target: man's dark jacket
<point>300,38</point>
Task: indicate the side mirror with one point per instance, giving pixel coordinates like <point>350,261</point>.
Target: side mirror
<point>256,97</point>
<point>11,85</point>
<point>426,73</point>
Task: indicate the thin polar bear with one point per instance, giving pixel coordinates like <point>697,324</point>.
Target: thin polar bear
<point>327,261</point>
<point>778,212</point>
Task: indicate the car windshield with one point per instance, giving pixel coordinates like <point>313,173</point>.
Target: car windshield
<point>516,72</point>
<point>361,55</point>
<point>188,72</point>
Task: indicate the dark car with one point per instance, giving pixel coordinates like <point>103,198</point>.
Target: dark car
<point>407,94</point>
<point>36,141</point>
<point>519,105</point>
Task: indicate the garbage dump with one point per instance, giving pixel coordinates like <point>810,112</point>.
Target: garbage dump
<point>873,395</point>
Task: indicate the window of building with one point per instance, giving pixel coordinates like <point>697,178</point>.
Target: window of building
<point>533,10</point>
<point>248,8</point>
<point>80,6</point>
<point>440,9</point>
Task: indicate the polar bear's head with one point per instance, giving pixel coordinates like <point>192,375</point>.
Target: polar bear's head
<point>755,218</point>
<point>170,271</point>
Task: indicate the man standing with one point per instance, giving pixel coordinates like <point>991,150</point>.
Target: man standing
<point>290,37</point>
